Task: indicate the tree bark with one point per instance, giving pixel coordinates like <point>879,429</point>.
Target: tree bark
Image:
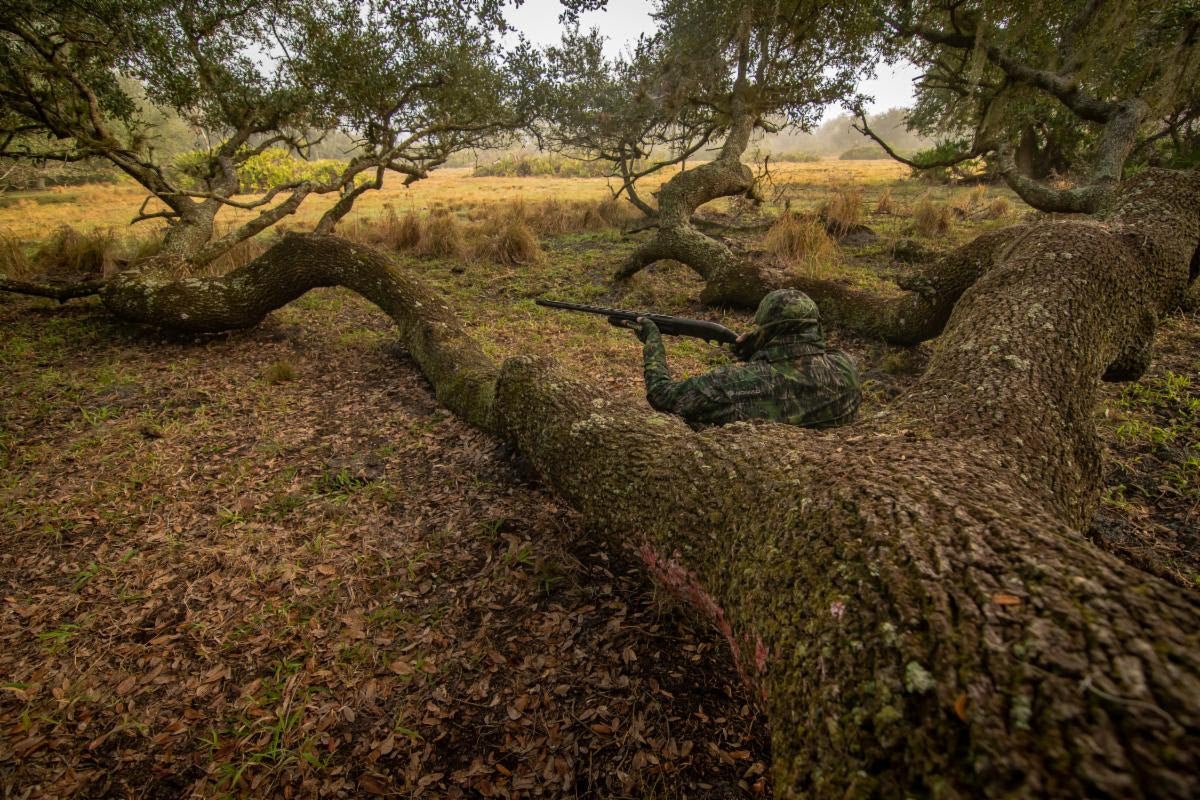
<point>912,597</point>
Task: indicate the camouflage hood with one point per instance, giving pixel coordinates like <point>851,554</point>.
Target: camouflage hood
<point>789,326</point>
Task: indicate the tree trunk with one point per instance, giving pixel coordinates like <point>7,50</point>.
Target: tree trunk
<point>1027,152</point>
<point>912,596</point>
<point>679,198</point>
<point>191,233</point>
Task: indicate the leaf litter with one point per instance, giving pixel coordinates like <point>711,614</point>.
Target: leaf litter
<point>215,584</point>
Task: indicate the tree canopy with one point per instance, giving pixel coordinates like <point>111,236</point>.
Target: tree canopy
<point>412,83</point>
<point>1084,86</point>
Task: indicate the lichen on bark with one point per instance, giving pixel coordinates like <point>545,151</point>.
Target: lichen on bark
<point>917,605</point>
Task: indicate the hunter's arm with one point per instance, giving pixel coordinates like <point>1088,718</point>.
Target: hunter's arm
<point>663,393</point>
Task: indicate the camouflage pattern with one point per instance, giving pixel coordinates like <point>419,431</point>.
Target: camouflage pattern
<point>785,304</point>
<point>792,377</point>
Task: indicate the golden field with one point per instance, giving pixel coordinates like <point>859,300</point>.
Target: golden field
<point>30,215</point>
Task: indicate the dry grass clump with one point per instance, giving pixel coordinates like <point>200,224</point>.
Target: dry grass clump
<point>931,219</point>
<point>800,240</point>
<point>972,200</point>
<point>549,217</point>
<point>556,217</point>
<point>1000,207</point>
<point>239,255</point>
<point>616,213</point>
<point>511,242</point>
<point>442,236</point>
<point>885,204</point>
<point>69,253</point>
<point>389,230</point>
<point>843,210</point>
<point>395,232</point>
<point>13,261</point>
<point>977,205</point>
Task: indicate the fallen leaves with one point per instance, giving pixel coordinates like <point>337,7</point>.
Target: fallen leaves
<point>236,606</point>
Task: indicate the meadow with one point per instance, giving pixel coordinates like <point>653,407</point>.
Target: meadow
<point>268,563</point>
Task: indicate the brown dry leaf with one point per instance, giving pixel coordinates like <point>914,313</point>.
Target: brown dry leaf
<point>1005,599</point>
<point>960,706</point>
<point>374,784</point>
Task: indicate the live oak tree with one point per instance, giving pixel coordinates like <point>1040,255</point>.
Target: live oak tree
<point>912,596</point>
<point>622,111</point>
<point>412,82</point>
<point>749,66</point>
<point>1083,86</point>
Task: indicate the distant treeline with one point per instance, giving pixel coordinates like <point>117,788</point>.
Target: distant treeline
<point>837,138</point>
<point>523,165</point>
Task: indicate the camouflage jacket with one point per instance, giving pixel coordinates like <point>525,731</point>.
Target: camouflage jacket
<point>794,378</point>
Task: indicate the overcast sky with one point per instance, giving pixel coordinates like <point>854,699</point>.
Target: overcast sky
<point>624,20</point>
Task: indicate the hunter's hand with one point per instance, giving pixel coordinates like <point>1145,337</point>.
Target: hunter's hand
<point>743,347</point>
<point>640,326</point>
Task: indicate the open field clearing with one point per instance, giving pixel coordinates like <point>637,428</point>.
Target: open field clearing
<point>267,563</point>
<point>30,215</point>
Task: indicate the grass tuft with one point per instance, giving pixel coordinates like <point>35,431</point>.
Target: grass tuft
<point>799,240</point>
<point>511,242</point>
<point>280,372</point>
<point>389,230</point>
<point>239,255</point>
<point>13,261</point>
<point>442,236</point>
<point>885,204</point>
<point>67,252</point>
<point>931,219</point>
<point>843,210</point>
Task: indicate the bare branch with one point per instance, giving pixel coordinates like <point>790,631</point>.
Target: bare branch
<point>978,149</point>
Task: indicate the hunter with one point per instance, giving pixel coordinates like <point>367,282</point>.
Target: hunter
<point>790,376</point>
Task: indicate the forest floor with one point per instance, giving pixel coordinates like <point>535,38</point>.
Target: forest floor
<point>267,563</point>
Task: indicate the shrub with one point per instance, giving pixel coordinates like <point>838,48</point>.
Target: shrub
<point>931,219</point>
<point>843,210</point>
<point>795,156</point>
<point>799,240</point>
<point>271,167</point>
<point>524,165</point>
<point>868,152</point>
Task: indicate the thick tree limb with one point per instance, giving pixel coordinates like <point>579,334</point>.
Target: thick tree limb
<point>62,292</point>
<point>912,597</point>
